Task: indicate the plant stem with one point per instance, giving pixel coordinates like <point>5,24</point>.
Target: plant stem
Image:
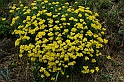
<point>57,76</point>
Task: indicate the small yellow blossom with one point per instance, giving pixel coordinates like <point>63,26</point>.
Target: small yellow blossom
<point>42,76</point>
<point>92,70</point>
<point>52,78</point>
<point>11,11</point>
<point>3,19</point>
<point>93,60</point>
<point>21,5</point>
<point>49,14</point>
<point>85,67</point>
<point>97,69</point>
<point>108,57</point>
<point>33,4</point>
<point>67,76</point>
<point>80,15</point>
<point>86,58</point>
<point>105,41</point>
<point>20,55</point>
<point>63,19</point>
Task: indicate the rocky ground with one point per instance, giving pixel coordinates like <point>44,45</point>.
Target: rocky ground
<point>12,69</point>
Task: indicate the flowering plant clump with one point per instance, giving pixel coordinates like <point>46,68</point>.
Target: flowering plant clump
<point>58,37</point>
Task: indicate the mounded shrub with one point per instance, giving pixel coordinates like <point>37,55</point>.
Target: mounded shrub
<point>58,38</point>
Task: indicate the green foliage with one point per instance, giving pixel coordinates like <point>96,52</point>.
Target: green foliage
<point>5,28</point>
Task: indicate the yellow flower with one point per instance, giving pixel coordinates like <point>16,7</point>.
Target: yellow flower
<point>20,55</point>
<point>85,71</point>
<point>42,3</point>
<point>44,11</point>
<point>66,59</point>
<point>42,76</point>
<point>85,39</point>
<point>71,18</point>
<point>11,11</point>
<point>49,14</point>
<point>42,69</point>
<point>57,21</point>
<point>17,8</point>
<point>96,14</point>
<point>21,5</point>
<point>33,4</point>
<point>75,20</point>
<point>17,42</point>
<point>76,11</point>
<point>79,25</point>
<point>105,41</point>
<point>75,2</point>
<point>86,49</point>
<point>46,73</point>
<point>108,57</point>
<point>50,34</point>
<point>80,15</point>
<point>88,11</point>
<point>73,29</point>
<point>67,76</point>
<point>35,7</point>
<point>85,27</point>
<point>92,70</point>
<point>93,60</point>
<point>81,20</point>
<point>51,38</point>
<point>89,33</point>
<point>63,7</point>
<point>103,29</point>
<point>46,1</point>
<point>86,58</point>
<point>14,7</point>
<point>25,7</point>
<point>33,59</point>
<point>97,69</point>
<point>53,78</point>
<point>79,54</point>
<point>69,9</point>
<point>54,16</point>
<point>71,63</point>
<point>67,3</point>
<point>66,30</point>
<point>85,67</point>
<point>102,32</point>
<point>33,17</point>
<point>59,8</point>
<point>100,39</point>
<point>95,35</point>
<point>3,19</point>
<point>63,19</point>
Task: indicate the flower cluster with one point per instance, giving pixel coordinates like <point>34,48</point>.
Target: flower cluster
<point>57,36</point>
